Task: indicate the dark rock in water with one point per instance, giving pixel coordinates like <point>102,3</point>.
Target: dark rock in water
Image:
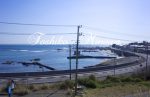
<point>8,62</point>
<point>36,59</point>
<point>89,51</point>
<point>59,49</point>
<point>26,64</point>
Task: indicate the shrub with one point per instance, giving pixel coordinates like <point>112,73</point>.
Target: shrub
<point>31,87</point>
<point>82,81</point>
<point>92,77</point>
<point>127,79</point>
<point>146,84</point>
<point>110,79</point>
<point>34,87</point>
<point>67,85</point>
<point>3,90</point>
<point>89,83</point>
<point>44,87</point>
<point>138,80</point>
<point>22,92</point>
<point>106,85</point>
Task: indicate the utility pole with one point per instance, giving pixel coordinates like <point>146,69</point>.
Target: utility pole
<point>114,66</point>
<point>77,52</point>
<point>146,50</point>
<point>70,60</point>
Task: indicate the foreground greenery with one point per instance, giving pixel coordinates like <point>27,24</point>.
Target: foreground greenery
<point>92,87</point>
<point>115,87</point>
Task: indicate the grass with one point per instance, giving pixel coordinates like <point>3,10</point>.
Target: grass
<point>110,87</point>
<point>90,82</point>
<point>116,91</point>
<point>66,85</point>
<point>21,89</point>
<point>116,87</point>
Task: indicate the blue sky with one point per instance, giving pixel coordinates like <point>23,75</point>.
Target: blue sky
<point>121,19</point>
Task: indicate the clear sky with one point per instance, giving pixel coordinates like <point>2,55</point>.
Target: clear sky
<point>120,19</point>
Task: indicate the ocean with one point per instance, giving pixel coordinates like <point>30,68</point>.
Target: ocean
<point>54,56</point>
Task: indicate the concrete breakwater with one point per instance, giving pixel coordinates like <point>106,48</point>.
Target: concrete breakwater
<point>123,52</point>
<point>85,57</point>
<point>128,58</point>
<point>127,54</point>
<point>38,64</point>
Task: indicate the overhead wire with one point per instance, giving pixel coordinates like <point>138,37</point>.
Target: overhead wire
<point>87,27</point>
<point>12,33</point>
<point>105,37</point>
<point>30,24</point>
<point>113,32</point>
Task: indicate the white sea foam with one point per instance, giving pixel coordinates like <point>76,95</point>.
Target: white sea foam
<point>24,50</point>
<point>65,48</point>
<point>13,50</point>
<point>20,50</point>
<point>36,51</point>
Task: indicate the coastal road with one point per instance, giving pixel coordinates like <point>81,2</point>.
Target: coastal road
<point>57,76</point>
<point>66,72</point>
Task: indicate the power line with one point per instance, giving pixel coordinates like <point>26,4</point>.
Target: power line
<point>114,38</point>
<point>92,28</point>
<point>60,33</point>
<point>88,27</point>
<point>113,32</point>
<point>30,24</point>
<point>9,33</point>
<point>12,33</point>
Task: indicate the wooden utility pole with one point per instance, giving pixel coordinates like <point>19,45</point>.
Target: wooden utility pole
<point>146,50</point>
<point>70,60</point>
<point>77,52</point>
<point>114,66</point>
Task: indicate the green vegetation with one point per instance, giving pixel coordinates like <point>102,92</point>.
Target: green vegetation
<point>133,90</point>
<point>22,89</point>
<point>68,84</point>
<point>110,87</point>
<point>114,86</point>
<point>90,82</point>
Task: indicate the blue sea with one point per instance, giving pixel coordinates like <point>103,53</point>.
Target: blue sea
<point>54,56</point>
